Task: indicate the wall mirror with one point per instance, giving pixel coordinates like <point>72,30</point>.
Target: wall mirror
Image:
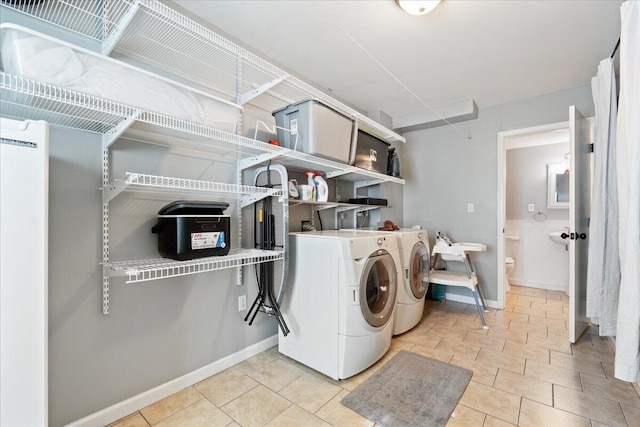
<point>557,186</point>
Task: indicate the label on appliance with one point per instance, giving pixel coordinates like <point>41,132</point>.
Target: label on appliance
<point>208,240</point>
<point>373,155</point>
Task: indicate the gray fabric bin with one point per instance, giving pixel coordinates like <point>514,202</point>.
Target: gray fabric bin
<point>322,131</point>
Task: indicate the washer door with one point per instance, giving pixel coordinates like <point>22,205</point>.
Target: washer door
<point>419,269</point>
<point>378,287</point>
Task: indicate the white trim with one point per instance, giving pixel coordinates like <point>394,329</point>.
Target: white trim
<point>503,137</point>
<point>539,139</point>
<point>467,299</point>
<point>146,398</point>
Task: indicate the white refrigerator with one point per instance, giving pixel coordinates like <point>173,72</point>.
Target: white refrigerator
<point>24,200</point>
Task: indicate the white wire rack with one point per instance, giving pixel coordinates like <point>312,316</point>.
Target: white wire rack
<point>153,32</point>
<point>27,99</point>
<point>84,17</point>
<point>162,268</point>
<point>139,182</point>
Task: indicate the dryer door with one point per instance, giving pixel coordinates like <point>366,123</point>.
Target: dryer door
<point>419,270</point>
<point>378,287</point>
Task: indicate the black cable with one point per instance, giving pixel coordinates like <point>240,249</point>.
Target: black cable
<point>615,48</point>
<point>320,220</point>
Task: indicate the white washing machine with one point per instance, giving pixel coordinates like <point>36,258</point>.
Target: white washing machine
<point>413,246</point>
<point>340,300</point>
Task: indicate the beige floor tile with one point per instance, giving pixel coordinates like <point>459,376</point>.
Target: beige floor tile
<point>482,373</point>
<point>532,299</point>
<point>535,414</point>
<point>525,386</point>
<point>526,309</point>
<point>610,389</point>
<point>528,327</point>
<point>310,392</point>
<point>527,351</point>
<point>588,405</point>
<point>631,414</point>
<point>256,362</point>
<point>508,334</point>
<point>296,416</point>
<point>470,325</point>
<point>441,355</point>
<point>226,386</point>
<point>521,290</point>
<point>277,374</point>
<point>553,342</point>
<point>489,342</point>
<point>586,349</point>
<point>450,333</point>
<point>513,317</point>
<point>429,340</point>
<point>558,315</point>
<point>495,422</point>
<point>460,349</point>
<point>256,407</point>
<point>543,321</point>
<point>397,345</point>
<point>580,364</point>
<point>549,306</point>
<point>338,415</point>
<point>559,328</point>
<point>497,403</point>
<point>465,417</point>
<point>133,420</point>
<point>553,374</point>
<point>609,370</point>
<point>501,360</point>
<point>170,405</point>
<point>200,414</point>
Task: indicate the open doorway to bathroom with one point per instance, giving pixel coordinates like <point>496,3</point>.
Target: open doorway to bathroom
<point>531,206</point>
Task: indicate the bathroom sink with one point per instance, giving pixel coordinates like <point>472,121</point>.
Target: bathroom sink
<point>556,236</point>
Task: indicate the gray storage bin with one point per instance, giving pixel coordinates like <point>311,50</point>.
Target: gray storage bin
<point>322,131</point>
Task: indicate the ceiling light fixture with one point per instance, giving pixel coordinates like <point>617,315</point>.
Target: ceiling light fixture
<point>417,7</point>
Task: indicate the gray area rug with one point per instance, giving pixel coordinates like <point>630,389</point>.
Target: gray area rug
<point>410,390</point>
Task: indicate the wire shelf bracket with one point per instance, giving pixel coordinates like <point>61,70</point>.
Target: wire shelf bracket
<point>110,41</point>
<point>243,99</point>
<point>111,136</point>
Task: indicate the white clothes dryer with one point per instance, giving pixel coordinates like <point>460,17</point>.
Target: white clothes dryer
<point>340,300</point>
<point>413,246</point>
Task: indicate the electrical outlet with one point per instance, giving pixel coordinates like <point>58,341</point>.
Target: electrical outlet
<point>242,303</point>
<point>470,207</point>
<point>531,207</point>
<point>294,126</point>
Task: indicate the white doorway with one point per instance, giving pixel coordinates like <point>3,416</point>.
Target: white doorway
<point>554,133</point>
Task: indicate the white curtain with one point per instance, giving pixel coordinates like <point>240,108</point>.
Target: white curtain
<point>627,363</point>
<point>603,271</point>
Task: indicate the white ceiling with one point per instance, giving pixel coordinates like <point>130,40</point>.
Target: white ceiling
<point>376,57</point>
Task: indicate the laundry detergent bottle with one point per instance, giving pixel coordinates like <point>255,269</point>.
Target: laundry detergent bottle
<point>322,189</point>
<point>312,184</point>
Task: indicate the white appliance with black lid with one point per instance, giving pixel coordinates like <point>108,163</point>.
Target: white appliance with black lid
<point>193,229</point>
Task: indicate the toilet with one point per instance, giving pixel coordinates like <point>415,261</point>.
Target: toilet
<point>509,262</point>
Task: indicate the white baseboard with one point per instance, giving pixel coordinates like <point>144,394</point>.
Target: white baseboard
<point>537,285</point>
<point>146,398</point>
<point>468,299</point>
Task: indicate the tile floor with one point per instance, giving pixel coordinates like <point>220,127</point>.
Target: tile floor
<point>525,373</point>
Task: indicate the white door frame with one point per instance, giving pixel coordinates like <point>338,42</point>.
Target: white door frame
<point>503,138</point>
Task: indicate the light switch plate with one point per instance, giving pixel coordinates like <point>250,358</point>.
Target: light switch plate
<point>531,207</point>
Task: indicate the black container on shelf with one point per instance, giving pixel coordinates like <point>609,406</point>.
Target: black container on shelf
<point>191,229</point>
<point>371,153</point>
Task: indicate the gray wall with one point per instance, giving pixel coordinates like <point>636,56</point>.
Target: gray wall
<point>448,167</point>
<point>527,181</point>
